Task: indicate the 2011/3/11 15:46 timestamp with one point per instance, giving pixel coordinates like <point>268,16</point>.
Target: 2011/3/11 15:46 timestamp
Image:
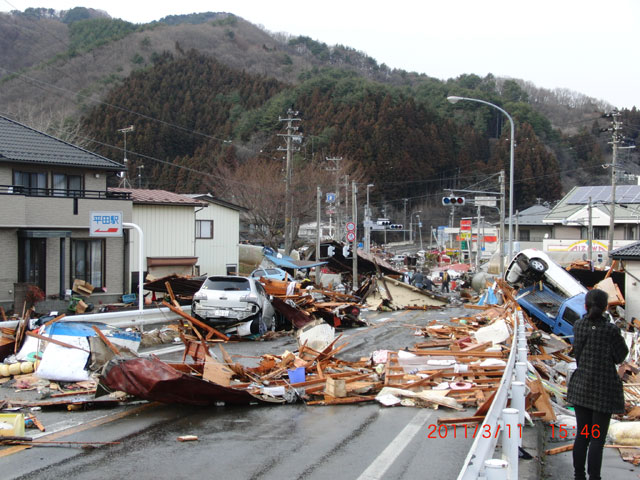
<point>470,431</point>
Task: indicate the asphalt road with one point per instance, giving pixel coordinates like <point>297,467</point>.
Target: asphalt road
<point>362,441</point>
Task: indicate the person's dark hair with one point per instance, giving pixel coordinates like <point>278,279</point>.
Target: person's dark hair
<point>596,302</point>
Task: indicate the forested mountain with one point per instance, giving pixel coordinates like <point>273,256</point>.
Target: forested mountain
<point>206,93</point>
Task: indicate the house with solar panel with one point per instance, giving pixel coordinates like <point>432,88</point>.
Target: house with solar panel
<point>48,189</point>
<point>593,208</point>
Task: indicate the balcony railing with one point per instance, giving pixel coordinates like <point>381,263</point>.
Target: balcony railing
<point>63,193</point>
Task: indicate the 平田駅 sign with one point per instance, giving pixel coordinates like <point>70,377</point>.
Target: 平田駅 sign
<point>105,224</point>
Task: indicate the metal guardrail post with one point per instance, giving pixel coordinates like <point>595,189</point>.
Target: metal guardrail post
<point>510,440</point>
<point>522,354</point>
<point>496,469</point>
<point>517,402</point>
<point>521,372</point>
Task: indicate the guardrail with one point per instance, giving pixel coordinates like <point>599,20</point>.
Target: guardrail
<point>479,462</point>
<point>123,319</point>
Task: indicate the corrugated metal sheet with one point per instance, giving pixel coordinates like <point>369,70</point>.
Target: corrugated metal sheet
<point>169,230</point>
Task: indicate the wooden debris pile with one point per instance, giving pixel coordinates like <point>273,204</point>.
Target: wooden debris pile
<point>303,305</point>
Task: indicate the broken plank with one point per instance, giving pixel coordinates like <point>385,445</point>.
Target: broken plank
<point>460,420</point>
<point>106,340</point>
<point>195,321</point>
<point>554,451</point>
<point>57,342</point>
<point>343,401</point>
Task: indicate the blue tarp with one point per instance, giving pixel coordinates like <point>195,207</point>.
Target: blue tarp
<point>489,298</point>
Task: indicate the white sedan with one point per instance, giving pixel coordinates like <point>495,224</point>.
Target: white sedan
<point>234,304</point>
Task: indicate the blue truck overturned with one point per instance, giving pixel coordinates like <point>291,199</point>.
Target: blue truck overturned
<point>546,291</point>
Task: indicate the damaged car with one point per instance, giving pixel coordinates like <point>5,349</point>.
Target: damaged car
<point>546,291</point>
<point>234,304</point>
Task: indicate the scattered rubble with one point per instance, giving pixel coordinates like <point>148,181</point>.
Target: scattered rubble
<point>457,364</point>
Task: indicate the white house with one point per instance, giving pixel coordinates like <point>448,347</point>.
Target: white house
<point>217,235</point>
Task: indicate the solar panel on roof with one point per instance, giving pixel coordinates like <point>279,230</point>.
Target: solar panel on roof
<point>602,194</point>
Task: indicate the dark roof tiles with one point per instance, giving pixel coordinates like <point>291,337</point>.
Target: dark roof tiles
<point>627,252</point>
<point>22,144</point>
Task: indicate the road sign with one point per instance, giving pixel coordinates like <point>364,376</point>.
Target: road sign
<point>351,237</point>
<point>105,224</point>
<point>351,226</point>
<point>465,225</point>
<point>485,201</point>
<point>331,197</point>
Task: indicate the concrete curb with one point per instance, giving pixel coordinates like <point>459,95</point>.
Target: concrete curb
<point>532,442</point>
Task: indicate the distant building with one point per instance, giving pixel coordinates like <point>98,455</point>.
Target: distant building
<point>530,227</point>
<point>569,219</point>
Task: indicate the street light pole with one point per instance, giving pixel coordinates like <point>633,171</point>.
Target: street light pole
<point>454,99</point>
<point>367,216</point>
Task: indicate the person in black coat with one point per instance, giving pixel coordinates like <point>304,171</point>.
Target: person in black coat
<point>595,389</point>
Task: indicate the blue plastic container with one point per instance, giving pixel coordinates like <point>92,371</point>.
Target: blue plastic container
<point>296,375</point>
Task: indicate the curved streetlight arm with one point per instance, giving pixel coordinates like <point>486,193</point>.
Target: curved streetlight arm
<point>455,99</point>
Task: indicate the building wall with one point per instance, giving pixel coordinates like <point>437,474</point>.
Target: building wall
<point>632,289</point>
<point>8,264</point>
<point>56,212</point>
<point>169,231</point>
<point>215,253</point>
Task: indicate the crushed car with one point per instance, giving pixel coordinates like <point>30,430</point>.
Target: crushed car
<point>234,304</point>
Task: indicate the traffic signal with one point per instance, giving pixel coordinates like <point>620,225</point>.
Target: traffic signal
<point>453,201</point>
<point>346,251</point>
<point>395,226</point>
<point>383,222</point>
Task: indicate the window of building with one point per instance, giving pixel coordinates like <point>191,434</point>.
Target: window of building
<point>32,261</point>
<point>631,232</point>
<point>30,183</point>
<point>524,235</point>
<point>87,261</point>
<point>67,185</point>
<point>204,228</point>
<point>600,233</point>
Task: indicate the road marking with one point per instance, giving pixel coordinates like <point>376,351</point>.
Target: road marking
<point>377,469</point>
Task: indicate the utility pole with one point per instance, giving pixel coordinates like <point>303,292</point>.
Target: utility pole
<point>346,199</point>
<point>288,207</point>
<point>590,236</point>
<point>140,168</point>
<point>501,244</point>
<point>336,169</point>
<point>354,248</point>
<point>615,139</point>
<point>318,230</point>
<point>367,228</point>
<point>477,240</point>
<point>404,229</point>
<point>124,181</point>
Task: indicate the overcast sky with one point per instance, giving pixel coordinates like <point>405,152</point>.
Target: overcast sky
<point>587,46</point>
